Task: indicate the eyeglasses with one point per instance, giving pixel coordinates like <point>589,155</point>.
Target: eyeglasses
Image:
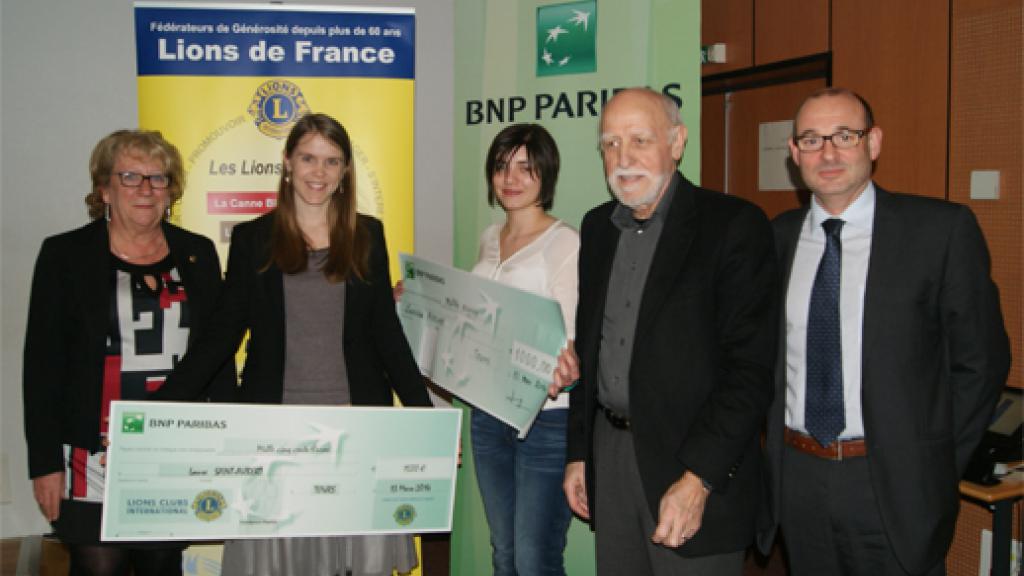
<point>134,180</point>
<point>841,139</point>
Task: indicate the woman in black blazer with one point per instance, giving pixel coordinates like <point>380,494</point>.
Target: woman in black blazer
<point>310,283</point>
<point>113,306</point>
<point>377,355</point>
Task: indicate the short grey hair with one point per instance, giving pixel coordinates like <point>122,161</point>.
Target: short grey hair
<point>671,109</point>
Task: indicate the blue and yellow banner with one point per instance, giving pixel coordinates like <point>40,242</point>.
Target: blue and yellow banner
<point>226,82</point>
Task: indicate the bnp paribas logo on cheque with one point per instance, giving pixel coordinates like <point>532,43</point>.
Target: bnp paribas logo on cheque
<point>566,37</point>
<point>133,422</point>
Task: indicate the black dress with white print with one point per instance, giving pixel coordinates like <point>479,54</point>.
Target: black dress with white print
<point>146,337</point>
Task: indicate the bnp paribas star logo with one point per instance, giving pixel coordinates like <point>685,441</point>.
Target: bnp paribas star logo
<point>566,36</point>
<point>133,422</point>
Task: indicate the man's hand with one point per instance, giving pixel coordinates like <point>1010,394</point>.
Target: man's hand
<point>575,487</point>
<point>566,372</point>
<point>398,290</point>
<point>47,490</point>
<point>680,511</point>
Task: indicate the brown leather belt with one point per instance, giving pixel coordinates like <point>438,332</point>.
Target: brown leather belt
<point>839,450</point>
<point>616,420</point>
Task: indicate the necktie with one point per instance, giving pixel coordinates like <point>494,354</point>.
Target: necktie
<point>824,416</point>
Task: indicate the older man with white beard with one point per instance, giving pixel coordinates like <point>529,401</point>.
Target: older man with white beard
<point>676,333</point>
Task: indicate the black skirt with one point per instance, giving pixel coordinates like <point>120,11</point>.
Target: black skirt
<point>79,523</point>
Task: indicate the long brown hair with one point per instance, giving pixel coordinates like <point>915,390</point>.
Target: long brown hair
<point>349,247</point>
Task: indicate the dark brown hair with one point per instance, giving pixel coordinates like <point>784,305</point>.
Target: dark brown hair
<point>349,247</point>
<point>147,144</point>
<point>540,150</point>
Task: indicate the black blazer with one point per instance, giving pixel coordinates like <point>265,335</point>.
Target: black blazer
<point>65,338</point>
<point>377,354</point>
<point>701,372</point>
<point>935,357</point>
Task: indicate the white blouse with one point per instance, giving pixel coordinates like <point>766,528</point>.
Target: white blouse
<point>546,266</point>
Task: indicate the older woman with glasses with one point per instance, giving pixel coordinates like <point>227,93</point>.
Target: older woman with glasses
<point>114,305</point>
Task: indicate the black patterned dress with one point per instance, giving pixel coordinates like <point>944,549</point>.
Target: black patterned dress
<point>147,334</point>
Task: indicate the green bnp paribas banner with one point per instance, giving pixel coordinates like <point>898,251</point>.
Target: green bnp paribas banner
<point>556,64</point>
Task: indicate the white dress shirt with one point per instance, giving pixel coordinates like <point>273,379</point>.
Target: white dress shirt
<point>546,266</point>
<point>856,250</point>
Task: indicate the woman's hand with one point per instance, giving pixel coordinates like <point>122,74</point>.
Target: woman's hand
<point>106,447</point>
<point>567,372</point>
<point>47,490</point>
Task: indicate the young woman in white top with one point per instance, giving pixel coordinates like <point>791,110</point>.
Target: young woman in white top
<point>521,480</point>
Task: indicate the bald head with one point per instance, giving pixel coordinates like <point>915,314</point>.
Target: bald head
<point>641,141</point>
<point>868,118</point>
<point>645,96</point>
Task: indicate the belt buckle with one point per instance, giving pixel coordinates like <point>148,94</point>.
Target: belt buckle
<point>839,450</point>
<point>617,421</point>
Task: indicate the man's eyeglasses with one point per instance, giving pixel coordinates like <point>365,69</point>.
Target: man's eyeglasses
<point>841,139</point>
<point>134,180</point>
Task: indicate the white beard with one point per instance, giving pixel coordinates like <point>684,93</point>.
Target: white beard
<point>636,199</point>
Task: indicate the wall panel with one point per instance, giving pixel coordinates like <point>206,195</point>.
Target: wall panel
<point>896,54</point>
<point>987,133</point>
<point>712,142</point>
<point>747,109</point>
<point>787,29</point>
<point>731,22</point>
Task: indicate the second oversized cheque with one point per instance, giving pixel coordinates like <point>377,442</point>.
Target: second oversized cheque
<point>492,345</point>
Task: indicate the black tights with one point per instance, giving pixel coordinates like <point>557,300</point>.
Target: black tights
<point>114,560</point>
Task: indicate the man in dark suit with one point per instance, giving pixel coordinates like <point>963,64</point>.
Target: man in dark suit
<point>676,334</point>
<point>892,356</point>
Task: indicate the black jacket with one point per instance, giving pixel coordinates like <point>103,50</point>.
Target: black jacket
<point>700,380</point>
<point>934,358</point>
<point>377,354</point>
<point>65,339</point>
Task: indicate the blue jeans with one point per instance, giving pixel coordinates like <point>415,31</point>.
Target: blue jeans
<point>521,486</point>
